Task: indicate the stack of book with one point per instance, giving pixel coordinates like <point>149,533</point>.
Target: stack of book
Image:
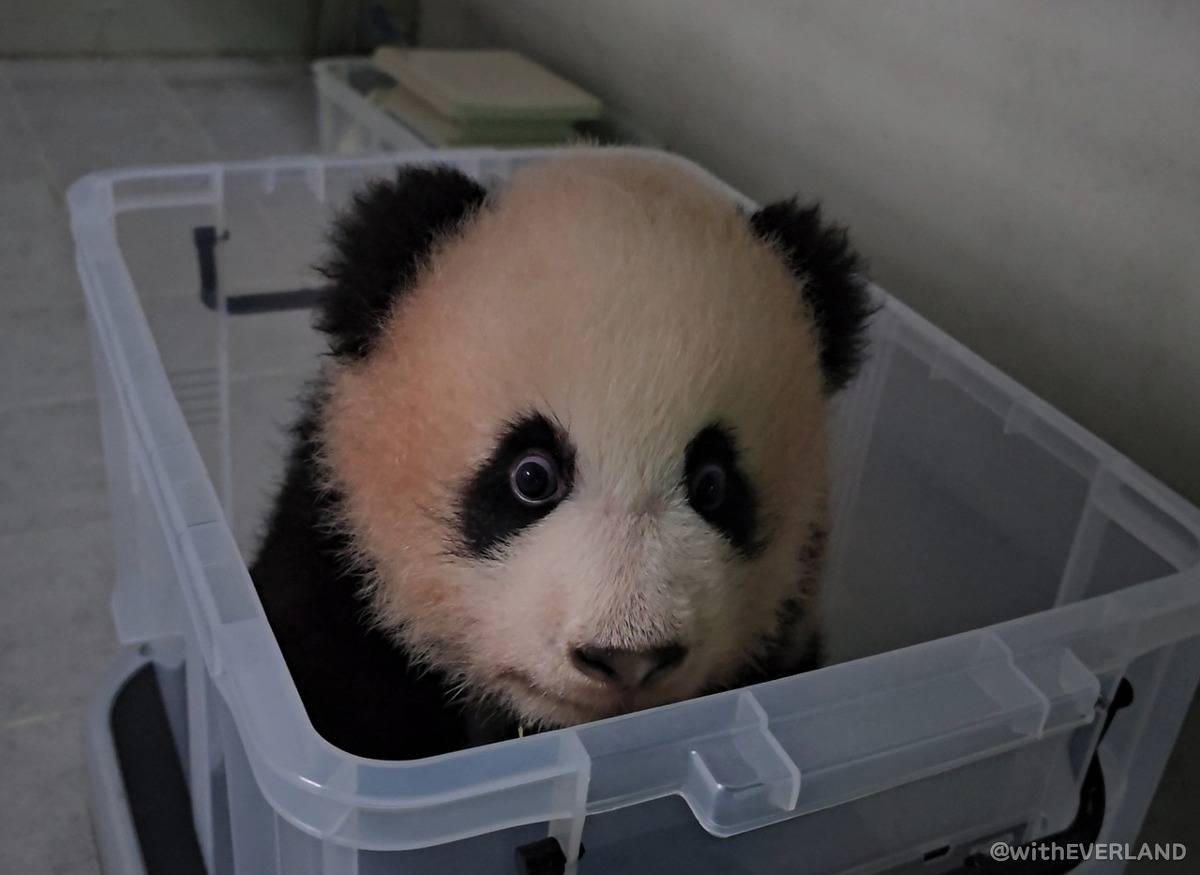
<point>484,97</point>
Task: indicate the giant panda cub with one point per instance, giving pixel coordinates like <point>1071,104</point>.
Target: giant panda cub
<point>568,456</point>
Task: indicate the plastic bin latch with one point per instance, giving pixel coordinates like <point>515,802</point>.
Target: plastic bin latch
<point>1050,855</point>
<point>741,779</point>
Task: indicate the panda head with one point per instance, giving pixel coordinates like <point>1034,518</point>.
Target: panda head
<point>576,426</point>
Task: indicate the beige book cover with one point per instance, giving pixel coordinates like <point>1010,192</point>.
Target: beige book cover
<point>486,84</point>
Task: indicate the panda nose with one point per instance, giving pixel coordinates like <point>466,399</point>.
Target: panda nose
<point>626,668</point>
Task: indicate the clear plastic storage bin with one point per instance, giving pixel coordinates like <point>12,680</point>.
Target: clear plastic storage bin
<point>996,571</point>
<point>347,122</point>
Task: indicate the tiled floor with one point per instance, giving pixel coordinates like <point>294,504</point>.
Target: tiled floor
<point>59,120</point>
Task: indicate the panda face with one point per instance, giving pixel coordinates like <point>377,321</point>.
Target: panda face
<point>645,596</point>
<point>583,457</point>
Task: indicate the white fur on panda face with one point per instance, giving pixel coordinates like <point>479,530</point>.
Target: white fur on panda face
<point>627,304</point>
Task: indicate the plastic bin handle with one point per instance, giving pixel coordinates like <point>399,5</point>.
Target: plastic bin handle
<point>1038,857</point>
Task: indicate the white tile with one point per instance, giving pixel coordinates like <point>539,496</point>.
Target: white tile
<point>20,155</point>
<point>75,148</point>
<point>45,355</point>
<point>89,90</point>
<point>51,467</point>
<point>55,585</point>
<point>45,829</point>
<point>37,254</point>
<point>248,109</point>
<point>89,115</point>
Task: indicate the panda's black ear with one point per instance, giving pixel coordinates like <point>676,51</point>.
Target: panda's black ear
<point>381,242</point>
<point>830,272</point>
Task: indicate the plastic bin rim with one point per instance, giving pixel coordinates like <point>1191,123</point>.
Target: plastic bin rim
<point>90,199</point>
<point>80,191</point>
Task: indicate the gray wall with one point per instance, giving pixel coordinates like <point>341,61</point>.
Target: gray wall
<point>50,28</point>
<point>1025,174</point>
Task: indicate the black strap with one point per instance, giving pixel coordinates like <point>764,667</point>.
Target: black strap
<point>160,805</point>
<point>206,239</point>
<point>1038,857</point>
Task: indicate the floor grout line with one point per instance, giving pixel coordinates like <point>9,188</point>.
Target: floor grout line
<point>180,107</point>
<point>53,530</point>
<point>50,401</point>
<point>32,720</point>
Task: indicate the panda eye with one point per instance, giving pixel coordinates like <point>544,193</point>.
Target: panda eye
<point>707,487</point>
<point>718,490</point>
<point>535,479</point>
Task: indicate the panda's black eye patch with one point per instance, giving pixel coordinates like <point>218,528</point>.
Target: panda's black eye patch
<point>528,474</point>
<point>718,490</point>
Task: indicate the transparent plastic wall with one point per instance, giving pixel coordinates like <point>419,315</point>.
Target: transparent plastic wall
<point>995,572</point>
<point>348,123</point>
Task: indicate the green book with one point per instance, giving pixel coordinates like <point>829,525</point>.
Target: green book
<point>438,130</point>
